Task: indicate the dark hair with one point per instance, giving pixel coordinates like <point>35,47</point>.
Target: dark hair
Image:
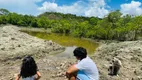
<point>29,67</point>
<point>80,52</point>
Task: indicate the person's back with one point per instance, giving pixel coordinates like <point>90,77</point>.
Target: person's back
<point>29,69</point>
<point>29,78</point>
<point>89,68</point>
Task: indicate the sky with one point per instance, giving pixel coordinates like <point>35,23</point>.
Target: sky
<point>89,8</point>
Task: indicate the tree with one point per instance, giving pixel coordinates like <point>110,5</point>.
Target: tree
<point>43,22</point>
<point>13,18</point>
<point>34,22</point>
<point>113,17</point>
<point>57,27</point>
<point>66,26</point>
<point>126,19</point>
<point>93,20</point>
<point>4,11</point>
<point>138,24</point>
<point>107,26</point>
<point>3,19</point>
<point>81,29</point>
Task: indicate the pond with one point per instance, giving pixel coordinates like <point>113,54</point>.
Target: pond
<point>68,41</point>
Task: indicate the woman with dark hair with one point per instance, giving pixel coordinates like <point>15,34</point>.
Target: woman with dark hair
<point>28,70</point>
<point>85,69</point>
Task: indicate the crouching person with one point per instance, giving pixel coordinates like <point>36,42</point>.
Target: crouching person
<point>115,67</point>
<point>28,70</point>
<point>85,69</point>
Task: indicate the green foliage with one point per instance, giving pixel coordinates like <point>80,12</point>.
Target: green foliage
<point>114,16</point>
<point>114,26</point>
<point>81,29</point>
<point>3,19</point>
<point>93,20</point>
<point>4,11</point>
<point>34,22</point>
<point>43,22</point>
<point>57,27</point>
<point>62,26</point>
<point>14,18</point>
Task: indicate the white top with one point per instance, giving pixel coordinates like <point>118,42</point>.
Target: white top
<point>89,68</point>
<point>29,78</point>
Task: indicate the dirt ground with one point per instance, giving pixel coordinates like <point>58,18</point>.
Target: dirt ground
<point>14,45</point>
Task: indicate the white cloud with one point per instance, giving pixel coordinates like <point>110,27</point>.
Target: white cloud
<point>20,6</point>
<point>81,7</point>
<point>95,8</point>
<point>132,8</point>
<point>75,8</point>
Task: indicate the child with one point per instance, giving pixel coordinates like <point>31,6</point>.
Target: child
<point>28,70</point>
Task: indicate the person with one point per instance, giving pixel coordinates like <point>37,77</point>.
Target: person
<point>29,70</point>
<point>85,69</point>
<point>115,67</point>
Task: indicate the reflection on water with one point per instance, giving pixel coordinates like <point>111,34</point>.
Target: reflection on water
<point>68,41</point>
<point>68,52</point>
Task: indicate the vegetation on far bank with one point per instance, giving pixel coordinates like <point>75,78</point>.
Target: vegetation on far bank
<point>114,26</point>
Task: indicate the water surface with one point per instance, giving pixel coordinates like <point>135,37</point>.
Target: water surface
<point>68,41</point>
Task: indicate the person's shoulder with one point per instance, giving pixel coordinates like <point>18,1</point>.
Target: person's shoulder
<point>87,59</point>
<point>84,59</point>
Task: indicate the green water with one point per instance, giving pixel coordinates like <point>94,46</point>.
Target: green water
<point>68,41</point>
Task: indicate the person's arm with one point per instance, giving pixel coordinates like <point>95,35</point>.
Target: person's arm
<point>71,70</point>
<point>38,75</point>
<point>18,77</point>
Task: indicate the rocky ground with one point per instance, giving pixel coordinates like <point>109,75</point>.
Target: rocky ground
<point>128,52</point>
<point>14,45</point>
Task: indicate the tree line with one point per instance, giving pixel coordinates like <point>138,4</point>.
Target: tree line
<point>114,26</point>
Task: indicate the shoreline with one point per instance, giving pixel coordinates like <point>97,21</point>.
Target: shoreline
<point>15,44</point>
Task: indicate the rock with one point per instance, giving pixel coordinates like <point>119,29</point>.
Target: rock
<point>4,35</point>
<point>11,79</point>
<point>13,38</point>
<point>3,48</point>
<point>20,45</point>
<point>137,72</point>
<point>50,42</point>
